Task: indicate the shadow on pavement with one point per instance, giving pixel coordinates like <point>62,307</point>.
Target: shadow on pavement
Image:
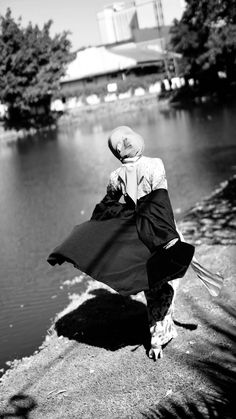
<point>20,406</point>
<point>108,320</point>
<point>218,369</point>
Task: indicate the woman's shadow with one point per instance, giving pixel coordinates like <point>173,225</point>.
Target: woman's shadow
<point>108,320</point>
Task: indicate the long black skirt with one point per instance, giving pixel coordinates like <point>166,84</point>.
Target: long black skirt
<point>109,251</point>
<point>123,247</point>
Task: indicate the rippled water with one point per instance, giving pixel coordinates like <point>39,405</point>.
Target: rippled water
<point>49,184</point>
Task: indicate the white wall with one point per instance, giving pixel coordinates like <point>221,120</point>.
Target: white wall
<point>106,26</point>
<point>172,9</point>
<point>152,13</point>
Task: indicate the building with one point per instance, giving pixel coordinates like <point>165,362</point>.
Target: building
<point>125,20</point>
<point>172,9</point>
<point>93,62</point>
<point>149,13</point>
<point>116,22</point>
<point>121,22</point>
<point>106,26</point>
<point>158,13</point>
<point>102,65</point>
<point>133,51</point>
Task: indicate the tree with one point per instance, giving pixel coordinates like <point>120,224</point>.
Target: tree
<point>31,65</point>
<point>206,38</point>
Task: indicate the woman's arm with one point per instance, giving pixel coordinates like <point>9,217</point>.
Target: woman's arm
<point>194,260</point>
<point>114,191</point>
<point>158,175</point>
<point>109,204</point>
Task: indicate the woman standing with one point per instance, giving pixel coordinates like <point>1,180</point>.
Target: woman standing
<point>131,242</point>
<point>137,177</point>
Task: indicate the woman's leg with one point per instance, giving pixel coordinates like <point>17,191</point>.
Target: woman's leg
<point>160,316</point>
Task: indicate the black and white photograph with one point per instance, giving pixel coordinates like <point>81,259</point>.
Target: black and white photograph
<point>117,209</point>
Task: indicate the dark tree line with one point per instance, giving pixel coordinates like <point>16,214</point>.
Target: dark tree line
<point>206,38</point>
<point>31,65</point>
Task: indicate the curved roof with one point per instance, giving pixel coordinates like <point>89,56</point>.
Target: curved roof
<point>95,61</point>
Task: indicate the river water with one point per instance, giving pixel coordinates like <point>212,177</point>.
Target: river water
<point>49,184</point>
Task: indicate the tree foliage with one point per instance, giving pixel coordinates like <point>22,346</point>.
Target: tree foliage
<point>206,37</point>
<point>31,65</point>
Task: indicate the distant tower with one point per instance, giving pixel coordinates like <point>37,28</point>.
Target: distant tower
<point>115,22</point>
<point>106,26</point>
<point>124,19</point>
<point>157,13</point>
<point>149,13</point>
<point>172,9</point>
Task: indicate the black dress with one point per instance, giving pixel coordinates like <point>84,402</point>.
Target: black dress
<point>122,245</point>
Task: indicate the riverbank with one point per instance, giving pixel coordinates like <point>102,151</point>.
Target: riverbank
<point>86,114</point>
<point>12,136</point>
<point>96,365</point>
<point>190,95</point>
<point>104,110</point>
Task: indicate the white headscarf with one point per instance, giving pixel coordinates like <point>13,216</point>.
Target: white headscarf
<point>126,144</point>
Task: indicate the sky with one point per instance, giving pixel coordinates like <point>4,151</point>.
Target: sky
<point>76,16</point>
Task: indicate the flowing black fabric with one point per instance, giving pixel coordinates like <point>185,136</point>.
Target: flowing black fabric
<point>121,244</point>
<point>155,219</point>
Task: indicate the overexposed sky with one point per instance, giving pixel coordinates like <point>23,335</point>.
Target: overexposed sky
<point>77,16</point>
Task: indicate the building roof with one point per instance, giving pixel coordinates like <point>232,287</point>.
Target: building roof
<point>96,61</point>
<point>151,51</point>
<point>148,51</point>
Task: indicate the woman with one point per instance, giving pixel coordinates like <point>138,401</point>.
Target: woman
<point>131,242</point>
<point>148,175</point>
